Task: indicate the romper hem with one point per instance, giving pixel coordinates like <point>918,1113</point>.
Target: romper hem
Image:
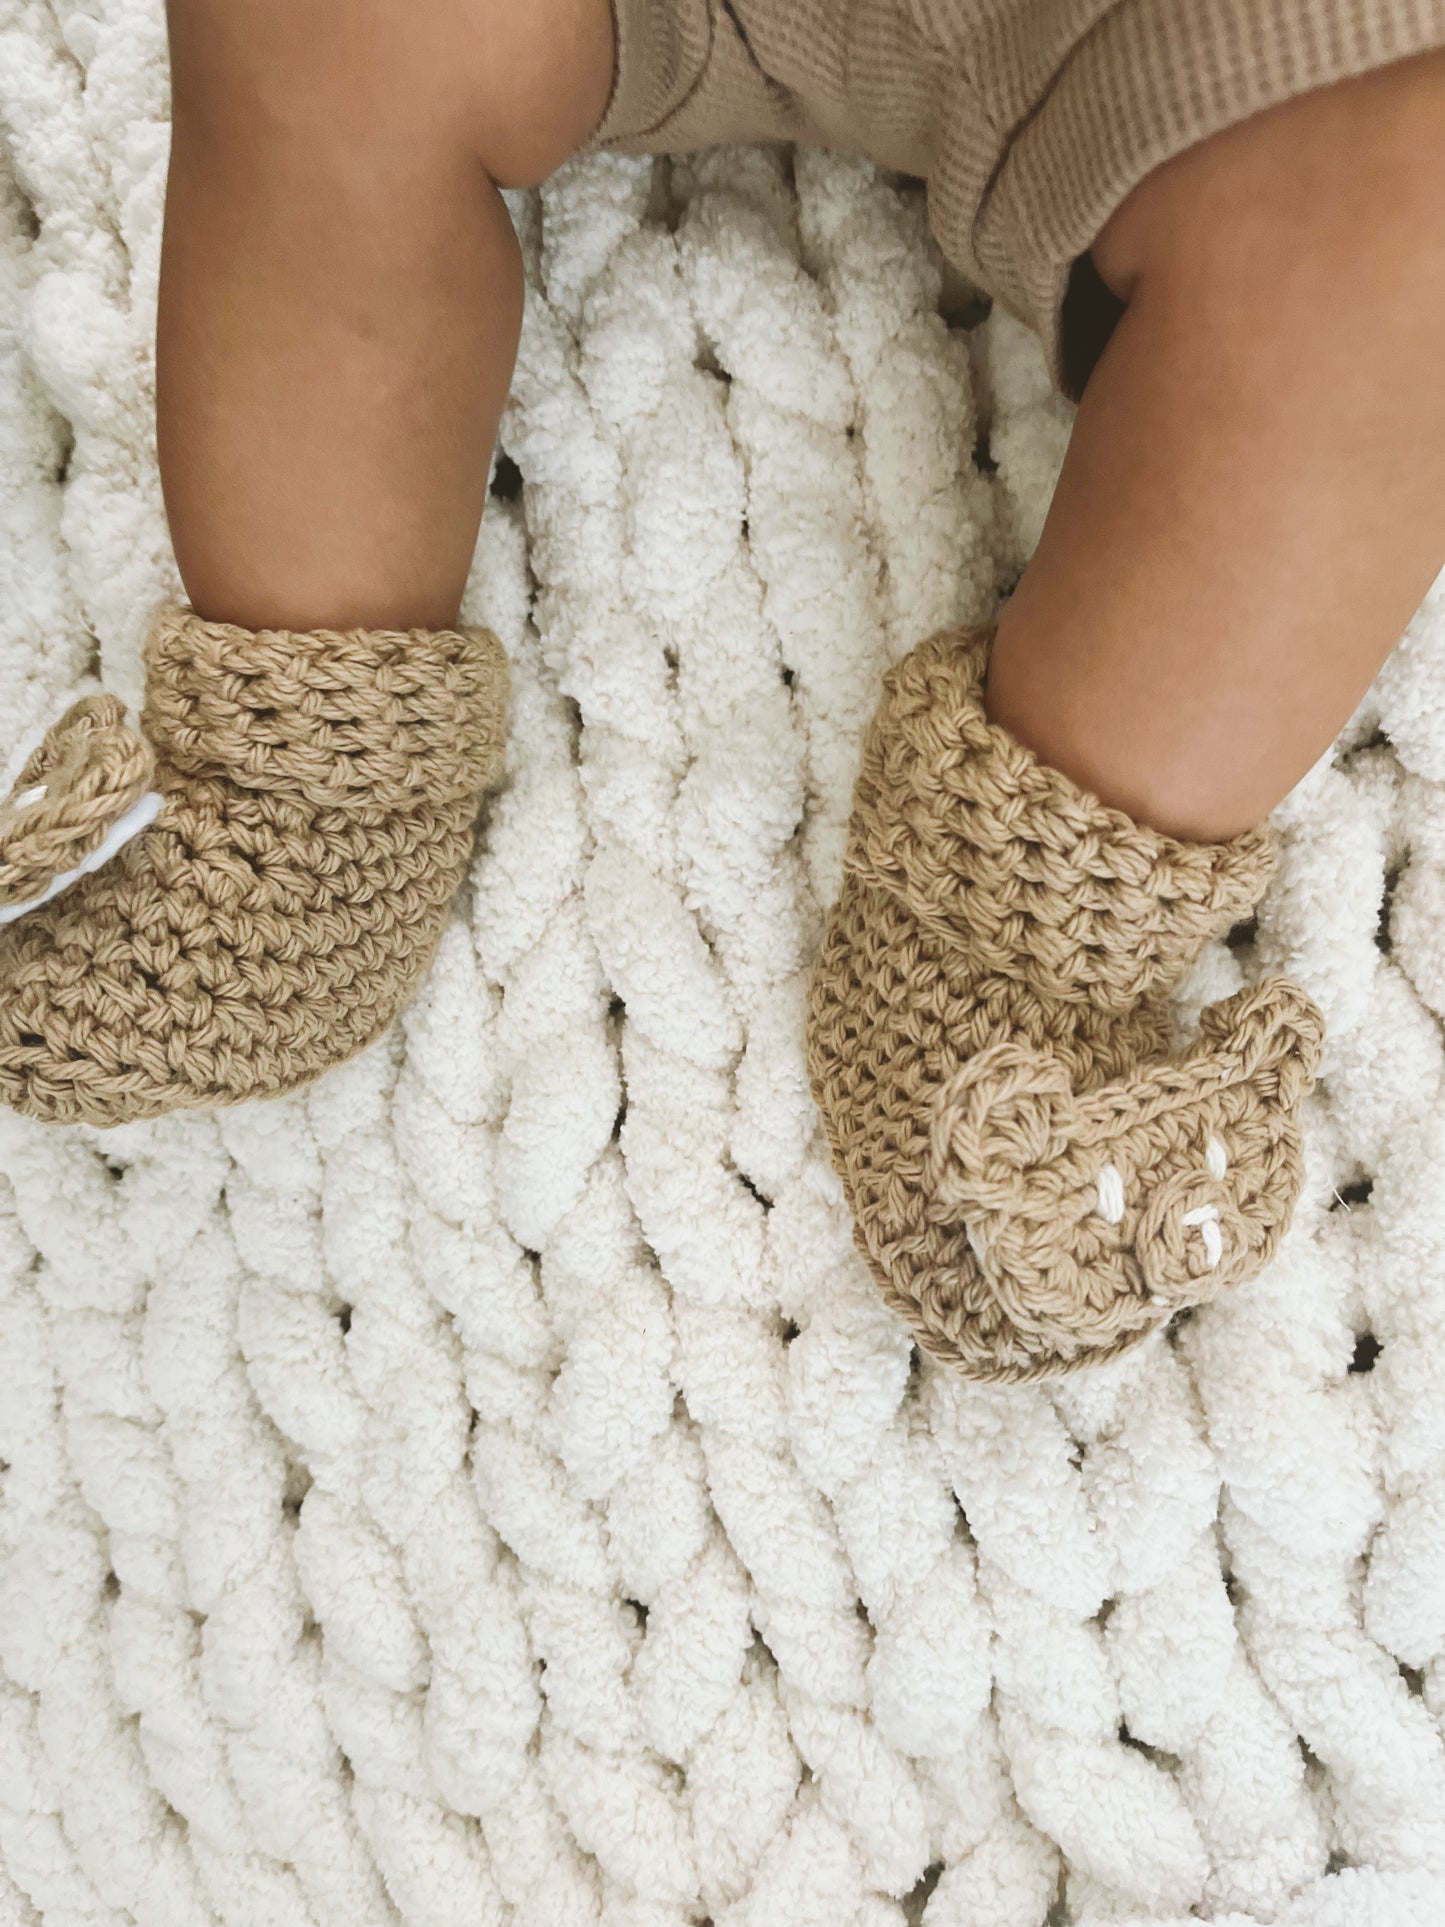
<point>1030,121</point>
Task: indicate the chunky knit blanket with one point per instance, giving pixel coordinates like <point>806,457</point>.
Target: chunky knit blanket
<point>489,1490</point>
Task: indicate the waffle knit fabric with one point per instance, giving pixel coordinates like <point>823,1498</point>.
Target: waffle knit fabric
<point>1030,120</point>
<point>317,796</point>
<point>1036,1181</point>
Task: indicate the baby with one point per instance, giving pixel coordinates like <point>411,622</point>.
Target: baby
<point>1226,221</point>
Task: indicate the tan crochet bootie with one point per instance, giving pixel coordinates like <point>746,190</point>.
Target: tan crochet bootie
<point>246,893</point>
<point>1036,1182</point>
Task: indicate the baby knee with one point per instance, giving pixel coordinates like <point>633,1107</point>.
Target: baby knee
<point>543,78</point>
<point>520,88</point>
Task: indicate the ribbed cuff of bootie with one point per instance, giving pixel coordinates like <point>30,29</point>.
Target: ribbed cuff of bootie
<point>376,719</point>
<point>1052,888</point>
<point>1035,1182</point>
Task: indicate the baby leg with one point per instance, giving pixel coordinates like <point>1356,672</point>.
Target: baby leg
<point>1248,514</point>
<point>1250,508</point>
<point>246,893</point>
<point>341,289</point>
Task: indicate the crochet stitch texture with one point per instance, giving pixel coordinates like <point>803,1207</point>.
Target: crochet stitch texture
<point>320,790</point>
<point>1035,1183</point>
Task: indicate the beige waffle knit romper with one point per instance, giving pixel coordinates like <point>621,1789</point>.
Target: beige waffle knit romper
<point>1030,120</point>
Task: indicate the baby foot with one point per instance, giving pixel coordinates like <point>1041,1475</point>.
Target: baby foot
<point>312,798</point>
<point>1095,1215</point>
<point>1035,1184</point>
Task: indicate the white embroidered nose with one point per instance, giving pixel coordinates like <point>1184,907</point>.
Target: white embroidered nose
<point>1206,1216</point>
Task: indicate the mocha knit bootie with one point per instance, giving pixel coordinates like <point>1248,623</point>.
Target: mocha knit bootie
<point>1036,1181</point>
<point>246,893</point>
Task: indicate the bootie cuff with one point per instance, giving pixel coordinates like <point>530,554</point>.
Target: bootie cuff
<point>978,841</point>
<point>369,719</point>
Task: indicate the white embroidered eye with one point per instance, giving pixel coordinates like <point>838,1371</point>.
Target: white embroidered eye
<point>1207,1219</point>
<point>1111,1194</point>
<point>30,797</point>
<point>1216,1159</point>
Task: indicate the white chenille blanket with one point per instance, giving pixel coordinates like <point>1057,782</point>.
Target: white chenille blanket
<point>488,1492</point>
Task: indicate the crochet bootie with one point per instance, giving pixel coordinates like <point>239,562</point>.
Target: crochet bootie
<point>246,893</point>
<point>1036,1180</point>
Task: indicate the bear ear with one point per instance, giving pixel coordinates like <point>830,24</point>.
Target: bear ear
<point>998,1116</point>
<point>82,794</point>
<point>1271,1032</point>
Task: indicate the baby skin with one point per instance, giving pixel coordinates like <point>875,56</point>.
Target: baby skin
<point>1051,818</point>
